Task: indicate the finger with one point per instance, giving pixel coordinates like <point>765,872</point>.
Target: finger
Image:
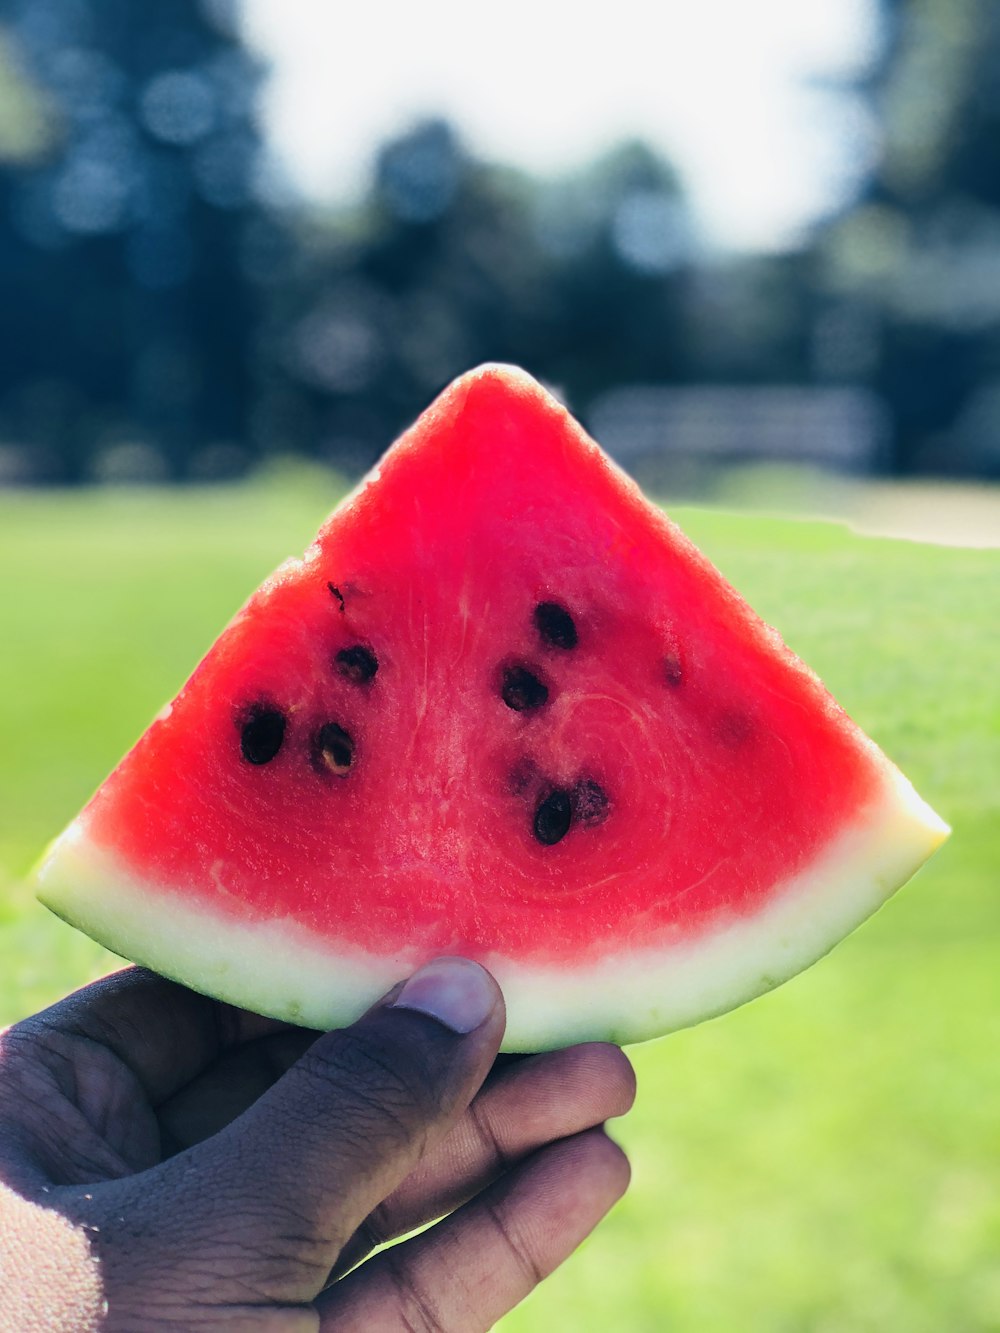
<point>470,1270</point>
<point>353,1116</point>
<point>223,1091</point>
<point>165,1033</point>
<point>521,1107</point>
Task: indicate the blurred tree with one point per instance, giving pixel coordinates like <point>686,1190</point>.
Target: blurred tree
<point>622,245</point>
<point>131,178</point>
<point>449,261</point>
<point>165,312</point>
<point>909,277</point>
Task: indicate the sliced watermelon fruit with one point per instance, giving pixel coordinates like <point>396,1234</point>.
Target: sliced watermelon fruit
<point>501,708</point>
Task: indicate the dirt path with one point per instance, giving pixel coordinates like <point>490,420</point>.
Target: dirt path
<point>951,515</point>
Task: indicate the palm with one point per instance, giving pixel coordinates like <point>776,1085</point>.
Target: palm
<point>113,1106</point>
<point>138,1109</point>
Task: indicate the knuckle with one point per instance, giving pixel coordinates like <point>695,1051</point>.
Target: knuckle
<point>517,1250</point>
<point>497,1158</point>
<point>419,1311</point>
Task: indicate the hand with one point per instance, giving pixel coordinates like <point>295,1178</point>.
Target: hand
<point>171,1163</point>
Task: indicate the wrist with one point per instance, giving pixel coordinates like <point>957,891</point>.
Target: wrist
<point>49,1277</point>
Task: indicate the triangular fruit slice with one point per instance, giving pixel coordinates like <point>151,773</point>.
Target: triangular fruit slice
<point>501,708</point>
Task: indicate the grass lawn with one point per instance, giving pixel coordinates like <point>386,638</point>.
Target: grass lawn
<point>825,1159</point>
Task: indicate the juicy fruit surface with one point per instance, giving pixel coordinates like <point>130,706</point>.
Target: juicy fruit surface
<point>502,706</point>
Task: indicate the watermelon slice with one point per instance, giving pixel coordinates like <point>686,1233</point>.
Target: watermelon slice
<point>501,708</point>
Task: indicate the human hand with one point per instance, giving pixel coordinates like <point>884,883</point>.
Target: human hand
<point>171,1163</point>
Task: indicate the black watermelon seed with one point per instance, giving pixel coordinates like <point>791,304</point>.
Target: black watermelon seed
<point>261,735</point>
<point>673,672</point>
<point>522,690</point>
<point>555,625</point>
<point>335,592</point>
<point>333,748</point>
<point>590,802</point>
<point>553,817</point>
<point>357,664</point>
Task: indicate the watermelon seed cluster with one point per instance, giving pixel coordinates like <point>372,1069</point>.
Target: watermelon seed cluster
<point>262,731</point>
<point>522,689</point>
<point>332,746</point>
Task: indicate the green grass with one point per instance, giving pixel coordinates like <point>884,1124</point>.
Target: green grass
<point>825,1159</point>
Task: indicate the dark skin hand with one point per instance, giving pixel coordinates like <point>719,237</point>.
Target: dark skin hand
<point>171,1163</point>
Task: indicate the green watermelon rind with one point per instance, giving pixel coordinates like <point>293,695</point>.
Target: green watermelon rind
<point>280,969</point>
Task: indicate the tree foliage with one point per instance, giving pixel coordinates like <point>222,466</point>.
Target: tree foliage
<point>912,268</point>
<point>126,319</point>
<point>169,310</point>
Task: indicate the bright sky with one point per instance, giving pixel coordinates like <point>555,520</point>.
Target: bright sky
<point>719,86</point>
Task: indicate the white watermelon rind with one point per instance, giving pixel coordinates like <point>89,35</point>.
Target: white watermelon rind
<point>632,994</point>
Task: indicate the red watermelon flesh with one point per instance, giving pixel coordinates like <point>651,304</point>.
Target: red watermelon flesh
<point>501,708</point>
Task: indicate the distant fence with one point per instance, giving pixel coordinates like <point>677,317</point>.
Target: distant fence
<point>845,429</point>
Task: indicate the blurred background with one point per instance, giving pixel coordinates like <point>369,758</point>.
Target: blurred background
<point>756,248</point>
<point>229,231</point>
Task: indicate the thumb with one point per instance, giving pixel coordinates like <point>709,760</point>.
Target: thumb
<point>349,1121</point>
